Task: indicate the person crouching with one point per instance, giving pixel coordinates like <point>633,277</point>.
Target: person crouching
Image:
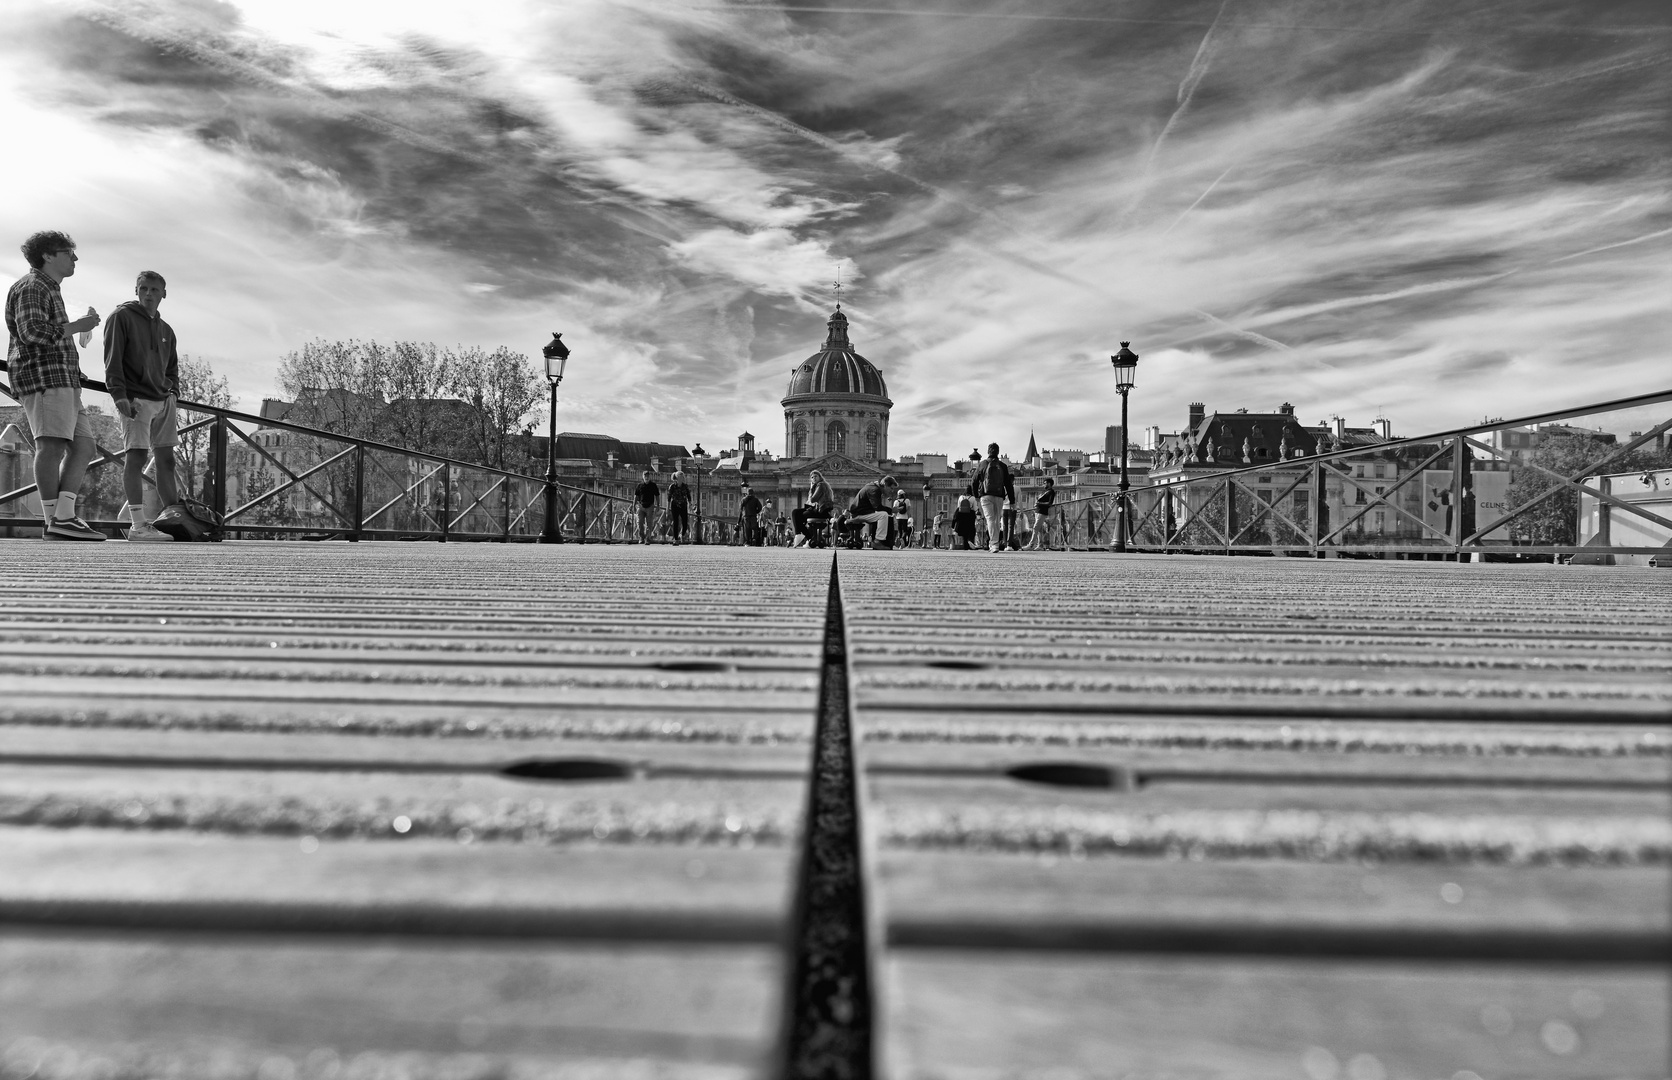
<point>872,504</point>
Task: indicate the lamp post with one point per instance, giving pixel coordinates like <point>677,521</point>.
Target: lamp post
<point>698,456</point>
<point>924,517</point>
<point>557,356</point>
<point>1126,368</point>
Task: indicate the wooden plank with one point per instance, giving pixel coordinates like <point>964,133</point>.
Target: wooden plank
<point>192,1006</point>
<point>954,887</point>
<point>1019,1014</point>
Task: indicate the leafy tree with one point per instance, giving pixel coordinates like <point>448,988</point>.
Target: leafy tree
<point>1555,519</point>
<point>199,383</point>
<point>504,388</point>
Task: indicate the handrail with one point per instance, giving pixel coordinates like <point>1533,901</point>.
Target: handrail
<point>369,444</point>
<point>1632,402</point>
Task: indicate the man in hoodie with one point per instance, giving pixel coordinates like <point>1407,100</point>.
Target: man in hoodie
<point>142,369</point>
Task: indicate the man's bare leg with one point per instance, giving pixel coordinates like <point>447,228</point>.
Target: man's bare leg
<point>49,467</point>
<point>133,476</point>
<point>168,484</point>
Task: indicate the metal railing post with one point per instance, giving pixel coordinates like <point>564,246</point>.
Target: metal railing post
<point>217,465</point>
<point>1230,513</point>
<point>1316,516</point>
<point>359,492</point>
<point>446,499</point>
<point>1455,530</point>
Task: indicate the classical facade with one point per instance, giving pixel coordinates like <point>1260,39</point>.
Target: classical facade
<point>837,402</point>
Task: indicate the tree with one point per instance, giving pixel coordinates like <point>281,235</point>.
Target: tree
<point>198,382</point>
<point>1555,519</point>
<point>503,387</point>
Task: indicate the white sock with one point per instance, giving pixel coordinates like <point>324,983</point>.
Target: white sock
<point>66,506</point>
<point>136,513</point>
<point>47,508</point>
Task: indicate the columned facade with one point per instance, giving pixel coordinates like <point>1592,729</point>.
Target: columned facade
<point>837,402</point>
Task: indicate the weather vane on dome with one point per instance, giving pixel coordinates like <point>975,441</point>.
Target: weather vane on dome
<point>838,287</point>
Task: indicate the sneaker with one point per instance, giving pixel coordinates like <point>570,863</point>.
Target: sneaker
<point>143,533</point>
<point>72,529</point>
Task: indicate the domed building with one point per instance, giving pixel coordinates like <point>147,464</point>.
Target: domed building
<point>837,402</point>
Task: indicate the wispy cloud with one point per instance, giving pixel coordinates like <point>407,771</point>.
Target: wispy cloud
<point>1345,207</point>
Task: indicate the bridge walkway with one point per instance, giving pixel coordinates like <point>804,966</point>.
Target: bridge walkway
<point>299,810</point>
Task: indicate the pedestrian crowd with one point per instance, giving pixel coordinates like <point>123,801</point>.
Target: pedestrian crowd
<point>878,516</point>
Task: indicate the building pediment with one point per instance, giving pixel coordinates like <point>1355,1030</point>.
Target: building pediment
<point>837,465</point>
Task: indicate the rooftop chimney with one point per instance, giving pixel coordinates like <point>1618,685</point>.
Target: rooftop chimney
<point>1286,409</point>
<point>1383,426</point>
<point>1340,423</point>
<point>1196,414</point>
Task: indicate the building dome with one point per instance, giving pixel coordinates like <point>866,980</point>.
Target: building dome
<point>837,402</point>
<point>837,369</point>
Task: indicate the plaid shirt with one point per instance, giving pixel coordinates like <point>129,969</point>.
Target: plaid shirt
<point>42,353</point>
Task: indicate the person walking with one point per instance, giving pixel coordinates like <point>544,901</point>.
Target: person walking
<point>993,485</point>
<point>871,505</point>
<point>749,517</point>
<point>820,503</point>
<point>644,500</point>
<point>45,374</point>
<point>963,523</point>
<point>679,509</point>
<point>902,520</point>
<point>142,371</point>
<point>940,528</point>
<point>1041,525</point>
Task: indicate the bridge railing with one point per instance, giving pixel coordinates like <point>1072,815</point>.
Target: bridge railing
<point>1467,491</point>
<point>321,484</point>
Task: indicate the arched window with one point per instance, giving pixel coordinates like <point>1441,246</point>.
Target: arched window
<point>873,436</point>
<point>800,441</point>
<point>836,438</point>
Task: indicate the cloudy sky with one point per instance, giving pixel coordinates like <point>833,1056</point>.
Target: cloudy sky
<point>1423,208</point>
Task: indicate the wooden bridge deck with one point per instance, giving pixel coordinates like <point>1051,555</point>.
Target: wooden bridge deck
<point>261,812</point>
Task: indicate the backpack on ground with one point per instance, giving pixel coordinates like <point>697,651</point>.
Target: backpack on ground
<point>189,520</point>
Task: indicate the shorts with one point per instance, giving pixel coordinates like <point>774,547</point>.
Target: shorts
<point>57,413</point>
<point>152,426</point>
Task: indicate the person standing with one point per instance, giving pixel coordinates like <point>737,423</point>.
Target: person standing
<point>963,523</point>
<point>749,517</point>
<point>644,500</point>
<point>679,508</point>
<point>993,486</point>
<point>142,371</point>
<point>1042,504</point>
<point>940,528</point>
<point>45,372</point>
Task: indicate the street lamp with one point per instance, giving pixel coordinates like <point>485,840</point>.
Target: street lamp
<point>1126,370</point>
<point>557,356</point>
<point>698,456</point>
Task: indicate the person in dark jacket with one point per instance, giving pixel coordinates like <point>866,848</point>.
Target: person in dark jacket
<point>872,504</point>
<point>142,372</point>
<point>644,499</point>
<point>993,486</point>
<point>963,523</point>
<point>679,508</point>
<point>749,517</point>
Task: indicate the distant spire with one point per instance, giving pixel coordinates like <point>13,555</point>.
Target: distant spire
<point>1033,450</point>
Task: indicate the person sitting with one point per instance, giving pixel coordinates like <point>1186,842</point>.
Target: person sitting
<point>872,505</point>
<point>817,509</point>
